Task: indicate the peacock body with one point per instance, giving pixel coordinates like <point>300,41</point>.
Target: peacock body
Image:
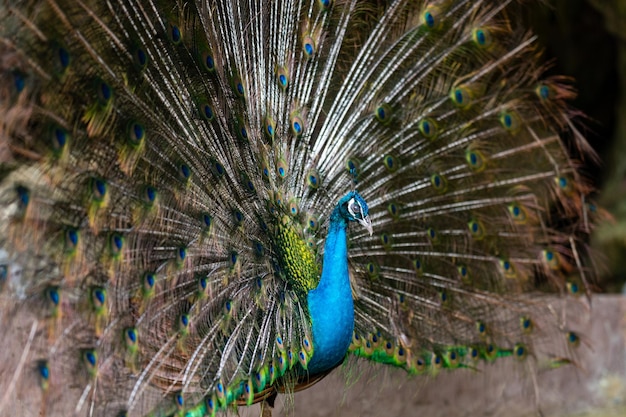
<point>178,181</point>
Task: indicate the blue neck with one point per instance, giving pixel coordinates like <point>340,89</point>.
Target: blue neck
<point>330,304</point>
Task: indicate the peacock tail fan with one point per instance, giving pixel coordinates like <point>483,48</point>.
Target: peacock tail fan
<point>179,179</point>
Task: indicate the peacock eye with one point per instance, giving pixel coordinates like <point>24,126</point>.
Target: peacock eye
<point>354,208</point>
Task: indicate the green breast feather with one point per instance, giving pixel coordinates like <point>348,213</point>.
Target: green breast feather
<point>296,258</point>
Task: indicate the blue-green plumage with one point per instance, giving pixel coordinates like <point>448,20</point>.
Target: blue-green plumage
<point>175,198</point>
<point>330,303</point>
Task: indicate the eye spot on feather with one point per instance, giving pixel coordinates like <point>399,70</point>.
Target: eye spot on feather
<point>149,279</point>
<point>510,121</point>
<point>181,254</point>
<point>476,229</point>
<point>417,266</point>
<point>475,160</point>
<point>464,274</point>
<point>71,240</point>
<point>430,17</point>
<point>208,61</point>
<point>482,37</point>
<point>105,92</point>
<point>428,128</point>
<point>313,179</point>
<point>19,81</point>
<point>439,183</point>
<point>308,46</point>
<point>90,358</point>
<point>237,86</point>
<point>207,221</point>
<point>391,163</point>
<point>269,128</point>
<point>383,113</point>
<point>386,241</point>
<point>520,351</point>
<point>297,125</point>
<point>325,4</point>
<point>526,324</point>
<point>218,169</point>
<point>573,339</point>
<point>207,112</point>
<point>544,92</point>
<point>59,138</point>
<point>63,57</point>
<point>175,35</point>
<point>373,269</point>
<point>136,134</point>
<point>131,337</point>
<point>140,58</point>
<point>98,189</point>
<point>431,234</point>
<point>53,295</point>
<point>461,97</point>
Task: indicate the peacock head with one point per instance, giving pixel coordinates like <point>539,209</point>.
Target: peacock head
<point>352,207</point>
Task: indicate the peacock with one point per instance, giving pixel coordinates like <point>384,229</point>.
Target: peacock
<point>205,204</point>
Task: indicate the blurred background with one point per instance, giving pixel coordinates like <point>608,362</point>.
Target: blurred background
<point>586,40</point>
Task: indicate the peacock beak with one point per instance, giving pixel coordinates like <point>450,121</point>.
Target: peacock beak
<point>367,223</point>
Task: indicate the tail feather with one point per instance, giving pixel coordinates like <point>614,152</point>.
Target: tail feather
<point>152,153</point>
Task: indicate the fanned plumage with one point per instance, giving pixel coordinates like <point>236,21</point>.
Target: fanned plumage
<point>177,180</point>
